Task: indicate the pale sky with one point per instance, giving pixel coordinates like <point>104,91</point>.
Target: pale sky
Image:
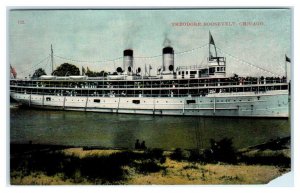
<point>93,38</point>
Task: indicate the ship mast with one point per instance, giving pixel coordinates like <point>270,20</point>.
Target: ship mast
<point>52,58</point>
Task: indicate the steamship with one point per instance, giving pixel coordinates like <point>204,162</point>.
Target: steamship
<point>185,91</point>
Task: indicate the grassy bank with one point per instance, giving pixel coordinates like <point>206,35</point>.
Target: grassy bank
<point>38,164</point>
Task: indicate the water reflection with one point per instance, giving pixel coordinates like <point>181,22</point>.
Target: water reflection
<point>122,130</point>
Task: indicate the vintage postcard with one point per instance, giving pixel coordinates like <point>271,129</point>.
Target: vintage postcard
<point>149,96</point>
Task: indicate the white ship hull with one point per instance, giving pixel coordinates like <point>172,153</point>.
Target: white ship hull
<point>267,104</point>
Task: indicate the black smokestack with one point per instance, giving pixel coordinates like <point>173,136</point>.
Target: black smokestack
<point>128,52</point>
<point>168,50</point>
<point>128,61</point>
<point>168,59</point>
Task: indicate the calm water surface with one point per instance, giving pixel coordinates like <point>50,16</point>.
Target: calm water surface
<point>121,130</point>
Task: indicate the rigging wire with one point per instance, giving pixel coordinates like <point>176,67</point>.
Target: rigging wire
<point>148,57</point>
<point>100,61</point>
<point>187,51</point>
<point>46,64</point>
<point>137,57</point>
<point>248,63</point>
<point>35,65</point>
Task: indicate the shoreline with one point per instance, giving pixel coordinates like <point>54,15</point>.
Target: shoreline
<point>53,165</point>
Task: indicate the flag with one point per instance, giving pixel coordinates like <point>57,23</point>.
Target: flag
<point>83,71</point>
<point>13,71</point>
<point>212,42</point>
<point>211,39</point>
<point>287,59</point>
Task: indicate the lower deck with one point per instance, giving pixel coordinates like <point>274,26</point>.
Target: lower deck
<point>268,104</point>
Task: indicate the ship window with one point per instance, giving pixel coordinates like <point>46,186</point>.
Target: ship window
<point>187,72</point>
<point>193,72</point>
<point>96,100</point>
<point>136,101</point>
<point>211,70</point>
<point>218,68</point>
<point>179,73</point>
<point>48,98</point>
<point>190,101</point>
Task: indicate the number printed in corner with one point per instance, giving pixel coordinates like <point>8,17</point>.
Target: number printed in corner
<point>21,21</point>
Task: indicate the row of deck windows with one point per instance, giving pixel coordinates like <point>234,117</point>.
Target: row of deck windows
<point>187,101</point>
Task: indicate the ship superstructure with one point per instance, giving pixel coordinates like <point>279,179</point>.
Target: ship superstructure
<point>192,91</point>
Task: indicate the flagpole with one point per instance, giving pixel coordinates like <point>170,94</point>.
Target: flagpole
<point>285,70</point>
<point>285,65</point>
<point>52,59</point>
<point>209,46</point>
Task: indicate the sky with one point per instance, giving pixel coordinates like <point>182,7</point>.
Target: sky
<point>97,38</point>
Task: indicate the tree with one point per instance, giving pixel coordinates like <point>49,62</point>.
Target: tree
<point>95,74</point>
<point>39,72</point>
<point>66,69</point>
<point>103,73</point>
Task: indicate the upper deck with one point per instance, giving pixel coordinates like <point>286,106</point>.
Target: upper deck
<point>148,87</point>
